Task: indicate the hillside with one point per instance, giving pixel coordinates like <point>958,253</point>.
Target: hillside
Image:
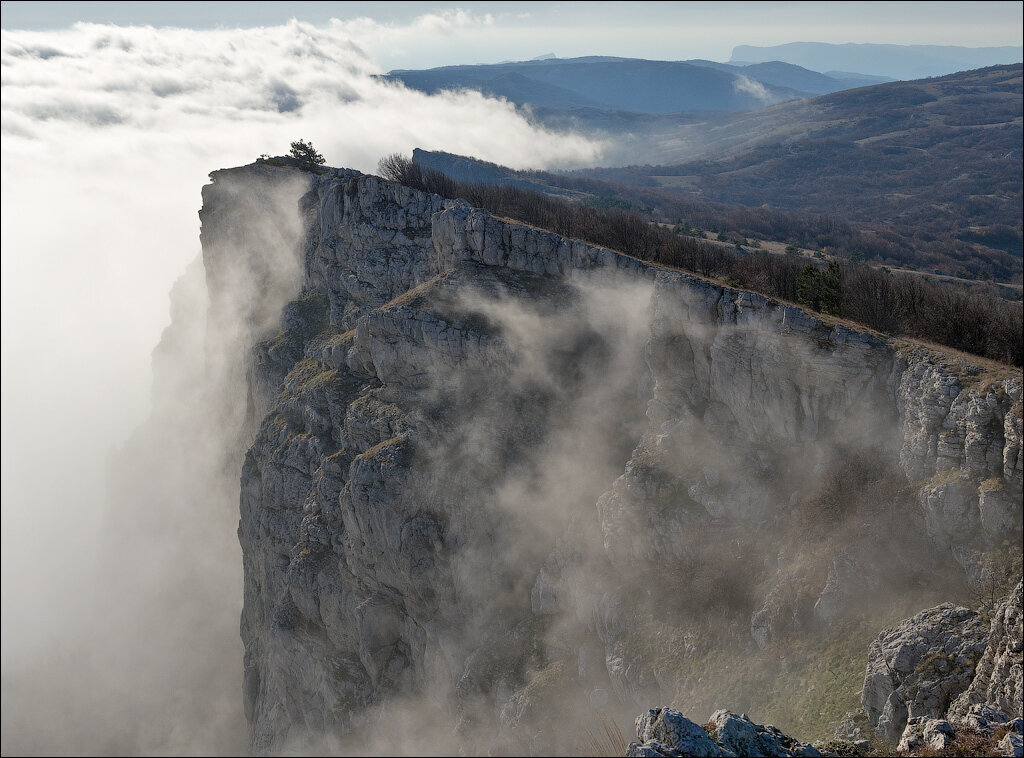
<point>782,74</point>
<point>629,84</point>
<point>934,164</point>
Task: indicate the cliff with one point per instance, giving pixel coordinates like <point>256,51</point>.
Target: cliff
<point>490,466</point>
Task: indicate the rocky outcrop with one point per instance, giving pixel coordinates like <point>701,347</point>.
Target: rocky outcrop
<point>666,732</point>
<point>449,395</point>
<point>968,439</point>
<point>1011,745</point>
<point>999,680</point>
<point>917,668</point>
<point>925,732</point>
<point>943,677</point>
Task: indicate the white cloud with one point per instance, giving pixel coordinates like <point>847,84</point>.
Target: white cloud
<point>751,87</point>
<point>107,137</point>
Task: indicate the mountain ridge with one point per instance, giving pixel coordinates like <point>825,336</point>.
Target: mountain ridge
<point>630,84</point>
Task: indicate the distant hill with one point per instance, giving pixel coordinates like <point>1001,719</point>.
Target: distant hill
<point>935,161</point>
<point>896,61</point>
<point>781,74</point>
<point>756,229</point>
<point>470,170</point>
<point>627,84</point>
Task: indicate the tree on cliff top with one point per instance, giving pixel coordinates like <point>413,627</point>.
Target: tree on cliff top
<point>305,153</point>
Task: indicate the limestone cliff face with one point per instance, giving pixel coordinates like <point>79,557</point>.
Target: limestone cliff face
<point>479,446</point>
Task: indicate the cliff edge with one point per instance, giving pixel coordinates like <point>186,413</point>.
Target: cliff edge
<point>486,457</point>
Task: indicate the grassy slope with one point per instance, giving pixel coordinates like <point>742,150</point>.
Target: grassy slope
<point>935,160</point>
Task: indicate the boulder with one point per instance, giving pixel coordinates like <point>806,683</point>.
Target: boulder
<point>1011,744</point>
<point>744,737</point>
<point>661,728</point>
<point>919,666</point>
<point>924,732</point>
<point>666,732</point>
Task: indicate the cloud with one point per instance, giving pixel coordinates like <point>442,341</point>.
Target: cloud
<point>222,87</point>
<point>751,87</point>
<point>108,136</point>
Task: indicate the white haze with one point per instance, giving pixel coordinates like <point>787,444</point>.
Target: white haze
<point>752,87</point>
<point>108,135</point>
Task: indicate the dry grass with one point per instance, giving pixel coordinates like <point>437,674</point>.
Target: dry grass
<point>603,738</point>
<point>967,742</point>
<point>380,446</point>
<point>975,372</point>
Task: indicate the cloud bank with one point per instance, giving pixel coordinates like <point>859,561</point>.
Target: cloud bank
<point>108,134</point>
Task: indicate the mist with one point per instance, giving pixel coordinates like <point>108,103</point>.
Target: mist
<point>610,483</point>
<point>630,500</point>
<point>619,474</point>
<point>108,135</point>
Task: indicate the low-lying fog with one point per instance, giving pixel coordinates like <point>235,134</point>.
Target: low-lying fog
<point>108,136</point>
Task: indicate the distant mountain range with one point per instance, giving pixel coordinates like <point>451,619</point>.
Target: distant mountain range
<point>634,85</point>
<point>897,61</point>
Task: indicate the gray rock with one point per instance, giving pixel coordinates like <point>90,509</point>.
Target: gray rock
<point>999,681</point>
<point>652,749</point>
<point>664,731</point>
<point>979,716</point>
<point>999,508</point>
<point>668,727</point>
<point>918,667</point>
<point>924,732</point>
<point>385,405</point>
<point>848,728</point>
<point>1012,744</point>
<point>743,737</point>
<point>950,511</point>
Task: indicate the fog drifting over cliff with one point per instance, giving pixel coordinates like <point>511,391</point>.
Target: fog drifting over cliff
<point>108,135</point>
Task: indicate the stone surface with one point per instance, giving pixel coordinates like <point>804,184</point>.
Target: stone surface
<point>978,716</point>
<point>923,732</point>
<point>918,667</point>
<point>744,737</point>
<point>667,727</point>
<point>433,358</point>
<point>1012,744</point>
<point>999,510</point>
<point>999,680</point>
<point>666,732</point>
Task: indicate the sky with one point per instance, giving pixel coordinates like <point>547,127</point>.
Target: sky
<point>113,115</point>
<point>489,32</point>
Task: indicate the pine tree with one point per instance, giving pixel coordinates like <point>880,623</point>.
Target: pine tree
<point>306,154</point>
<point>808,286</point>
<point>831,294</point>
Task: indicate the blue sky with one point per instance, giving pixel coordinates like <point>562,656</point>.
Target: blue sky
<point>486,32</point>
